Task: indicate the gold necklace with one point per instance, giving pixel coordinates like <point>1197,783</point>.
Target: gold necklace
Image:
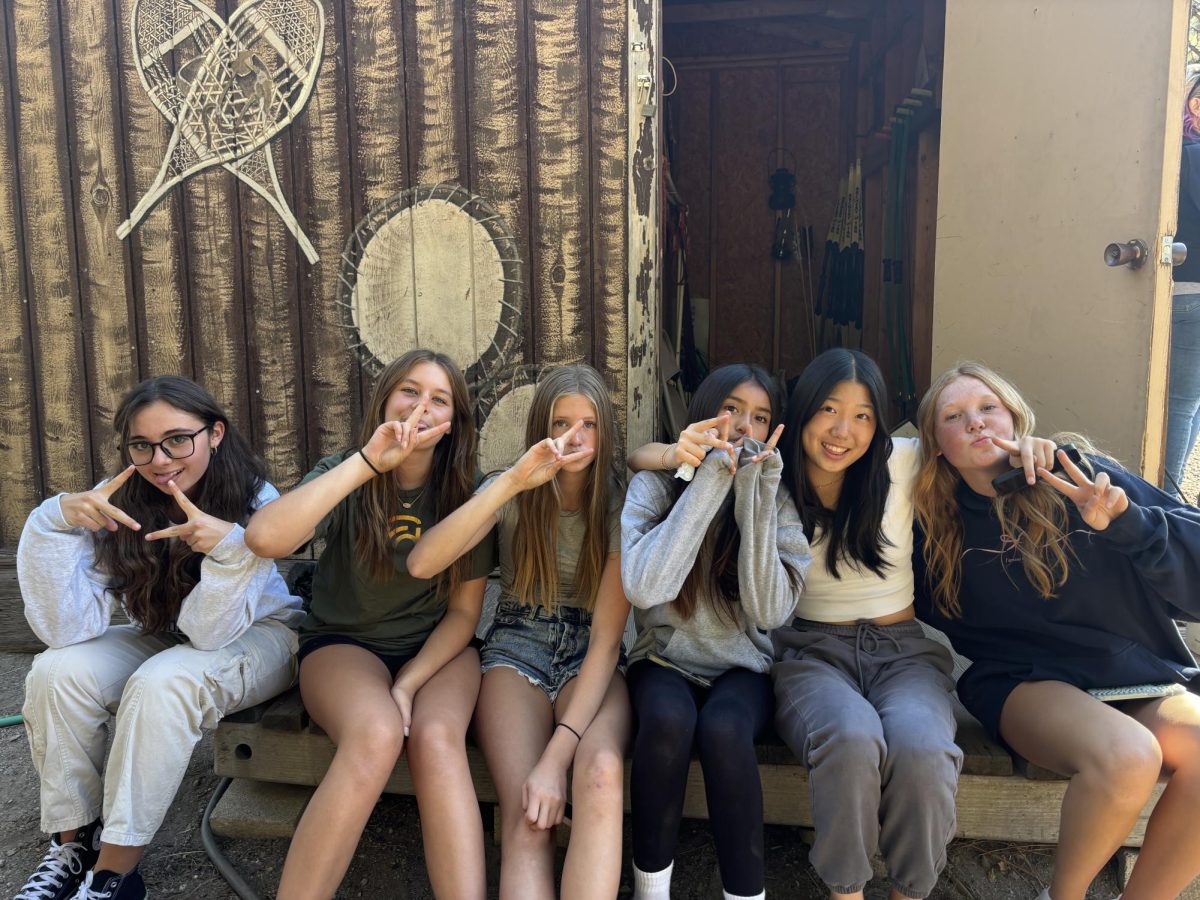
<point>408,504</point>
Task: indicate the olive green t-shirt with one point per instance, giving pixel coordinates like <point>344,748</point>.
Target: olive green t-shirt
<point>572,528</point>
<point>394,615</point>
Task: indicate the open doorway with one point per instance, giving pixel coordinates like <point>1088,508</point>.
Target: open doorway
<point>800,142</point>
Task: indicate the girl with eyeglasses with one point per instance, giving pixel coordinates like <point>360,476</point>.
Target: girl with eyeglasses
<point>387,662</point>
<point>211,632</point>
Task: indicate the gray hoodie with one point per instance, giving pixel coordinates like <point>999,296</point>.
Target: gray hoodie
<point>660,544</point>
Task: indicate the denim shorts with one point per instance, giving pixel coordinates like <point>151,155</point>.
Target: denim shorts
<point>546,648</point>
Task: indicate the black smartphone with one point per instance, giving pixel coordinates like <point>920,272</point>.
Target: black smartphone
<point>1014,479</point>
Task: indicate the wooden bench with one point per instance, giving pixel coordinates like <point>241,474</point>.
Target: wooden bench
<point>276,742</point>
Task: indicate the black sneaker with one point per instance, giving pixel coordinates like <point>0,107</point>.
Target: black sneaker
<point>63,867</point>
<point>111,886</point>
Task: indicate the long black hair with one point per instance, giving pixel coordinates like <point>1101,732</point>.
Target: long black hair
<point>153,577</point>
<point>723,540</point>
<point>854,529</point>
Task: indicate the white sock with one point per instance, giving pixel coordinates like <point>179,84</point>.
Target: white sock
<point>652,885</point>
<point>761,895</point>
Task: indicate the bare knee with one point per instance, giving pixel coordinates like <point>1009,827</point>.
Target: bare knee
<point>434,741</point>
<point>373,745</point>
<point>599,772</point>
<point>1126,767</point>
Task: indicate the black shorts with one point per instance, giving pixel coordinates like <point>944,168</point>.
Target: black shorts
<point>393,661</point>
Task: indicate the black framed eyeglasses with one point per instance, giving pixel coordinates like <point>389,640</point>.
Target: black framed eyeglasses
<point>175,446</point>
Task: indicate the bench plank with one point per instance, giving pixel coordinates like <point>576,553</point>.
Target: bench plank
<point>990,807</point>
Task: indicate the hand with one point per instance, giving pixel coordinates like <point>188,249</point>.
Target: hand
<point>544,796</point>
<point>770,446</point>
<point>1098,502</point>
<point>393,442</point>
<point>201,532</point>
<point>1028,453</point>
<point>91,509</point>
<point>404,703</point>
<point>696,437</point>
<point>542,461</point>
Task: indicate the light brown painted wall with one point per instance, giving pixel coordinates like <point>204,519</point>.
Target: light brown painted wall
<point>1059,135</point>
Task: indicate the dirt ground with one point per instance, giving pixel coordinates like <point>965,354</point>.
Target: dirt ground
<point>389,862</point>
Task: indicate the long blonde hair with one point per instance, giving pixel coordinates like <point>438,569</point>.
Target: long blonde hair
<point>1033,521</point>
<point>535,544</point>
<point>452,477</point>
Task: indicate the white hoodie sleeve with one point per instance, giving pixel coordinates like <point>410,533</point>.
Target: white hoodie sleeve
<point>66,600</point>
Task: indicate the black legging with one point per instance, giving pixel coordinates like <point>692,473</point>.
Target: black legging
<point>722,723</point>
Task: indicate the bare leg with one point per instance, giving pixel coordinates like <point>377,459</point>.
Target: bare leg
<point>1112,760</point>
<point>593,866</point>
<point>437,758</point>
<point>346,690</point>
<point>513,724</point>
<point>1170,855</point>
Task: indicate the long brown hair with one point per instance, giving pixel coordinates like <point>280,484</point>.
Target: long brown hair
<point>535,545</point>
<point>153,577</point>
<point>1033,521</point>
<point>452,476</point>
<point>715,570</point>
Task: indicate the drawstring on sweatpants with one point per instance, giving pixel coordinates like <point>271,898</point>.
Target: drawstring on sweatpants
<point>867,637</point>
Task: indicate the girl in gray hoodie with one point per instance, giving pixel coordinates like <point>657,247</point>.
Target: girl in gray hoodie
<point>710,566</point>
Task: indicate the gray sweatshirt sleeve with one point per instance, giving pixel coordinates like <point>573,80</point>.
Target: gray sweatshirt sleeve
<point>657,553</point>
<point>66,601</point>
<point>236,589</point>
<point>773,547</point>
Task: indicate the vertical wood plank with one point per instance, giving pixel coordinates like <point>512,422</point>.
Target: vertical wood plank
<point>642,156</point>
<point>433,69</point>
<point>329,369</point>
<point>558,126</point>
<point>746,133</point>
<point>273,328</point>
<point>159,276</point>
<point>691,109</point>
<point>95,152</point>
<point>48,226</point>
<point>19,427</point>
<point>812,115</point>
<point>212,202</point>
<point>497,141</point>
<point>609,191</point>
<point>378,129</point>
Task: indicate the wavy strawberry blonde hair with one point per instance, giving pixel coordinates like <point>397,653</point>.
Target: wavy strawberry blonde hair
<point>1033,521</point>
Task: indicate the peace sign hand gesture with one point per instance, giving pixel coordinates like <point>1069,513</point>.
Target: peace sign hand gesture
<point>696,440</point>
<point>92,509</point>
<point>201,532</point>
<point>393,442</point>
<point>1098,502</point>
<point>769,447</point>
<point>542,461</point>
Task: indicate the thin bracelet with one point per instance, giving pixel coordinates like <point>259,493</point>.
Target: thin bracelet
<point>370,464</point>
<point>663,459</point>
<point>578,736</point>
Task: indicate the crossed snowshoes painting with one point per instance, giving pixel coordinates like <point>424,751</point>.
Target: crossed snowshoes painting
<point>227,89</point>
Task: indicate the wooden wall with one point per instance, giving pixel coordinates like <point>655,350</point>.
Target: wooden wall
<point>522,101</point>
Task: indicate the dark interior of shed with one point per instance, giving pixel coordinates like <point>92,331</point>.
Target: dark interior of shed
<point>771,108</point>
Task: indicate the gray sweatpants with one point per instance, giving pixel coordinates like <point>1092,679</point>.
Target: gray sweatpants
<point>868,710</point>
